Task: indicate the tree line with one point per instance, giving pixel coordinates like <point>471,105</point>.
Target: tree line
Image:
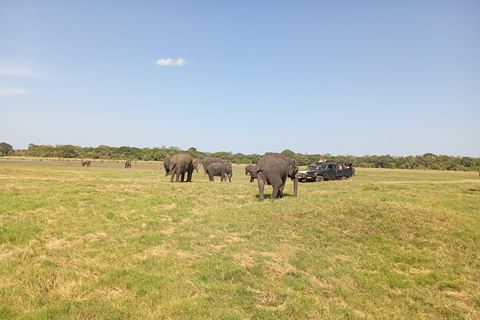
<point>425,161</point>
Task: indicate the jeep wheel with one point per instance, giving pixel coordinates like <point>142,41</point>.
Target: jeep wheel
<point>319,179</point>
<point>344,178</point>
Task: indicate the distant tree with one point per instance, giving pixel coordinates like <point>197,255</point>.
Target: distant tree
<point>195,153</point>
<point>254,158</point>
<point>65,151</point>
<point>5,149</point>
<point>224,155</point>
<point>288,153</point>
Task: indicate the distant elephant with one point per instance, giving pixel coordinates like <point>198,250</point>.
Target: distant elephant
<point>128,163</point>
<point>208,161</point>
<point>183,163</point>
<point>86,163</point>
<point>274,169</point>
<point>220,169</point>
<point>250,170</point>
<point>166,165</point>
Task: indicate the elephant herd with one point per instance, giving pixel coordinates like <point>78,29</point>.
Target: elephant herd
<point>273,169</point>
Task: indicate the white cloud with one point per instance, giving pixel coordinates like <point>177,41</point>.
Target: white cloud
<point>10,92</point>
<point>19,71</point>
<point>171,62</point>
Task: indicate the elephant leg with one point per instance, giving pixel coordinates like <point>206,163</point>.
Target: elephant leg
<point>210,176</point>
<point>276,184</point>
<point>222,176</point>
<point>183,176</point>
<point>261,186</point>
<point>275,191</point>
<point>280,190</point>
<point>189,175</point>
<point>172,174</point>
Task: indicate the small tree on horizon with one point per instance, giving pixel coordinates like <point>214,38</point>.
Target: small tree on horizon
<point>5,148</point>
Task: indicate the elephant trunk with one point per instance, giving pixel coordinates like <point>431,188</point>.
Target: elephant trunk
<point>295,186</point>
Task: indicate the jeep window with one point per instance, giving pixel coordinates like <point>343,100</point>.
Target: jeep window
<point>311,168</point>
<point>321,167</point>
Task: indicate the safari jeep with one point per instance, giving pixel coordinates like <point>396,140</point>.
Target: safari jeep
<point>329,170</point>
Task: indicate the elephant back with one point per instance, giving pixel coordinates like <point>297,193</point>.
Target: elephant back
<point>272,161</point>
<point>181,160</point>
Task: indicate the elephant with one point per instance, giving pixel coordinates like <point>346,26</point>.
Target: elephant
<point>86,163</point>
<point>220,169</point>
<point>209,160</point>
<point>166,165</point>
<point>180,164</point>
<point>128,163</point>
<point>249,170</point>
<point>273,169</point>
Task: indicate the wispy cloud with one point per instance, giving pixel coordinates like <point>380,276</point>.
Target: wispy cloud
<point>10,92</point>
<point>19,71</point>
<point>172,62</point>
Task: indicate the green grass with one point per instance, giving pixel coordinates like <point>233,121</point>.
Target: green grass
<point>106,242</point>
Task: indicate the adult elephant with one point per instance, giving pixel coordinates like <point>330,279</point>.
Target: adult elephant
<point>166,165</point>
<point>250,170</point>
<point>208,161</point>
<point>86,163</point>
<point>274,169</point>
<point>128,164</point>
<point>220,169</point>
<point>180,164</point>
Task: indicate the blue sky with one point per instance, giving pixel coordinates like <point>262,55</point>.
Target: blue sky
<point>339,77</point>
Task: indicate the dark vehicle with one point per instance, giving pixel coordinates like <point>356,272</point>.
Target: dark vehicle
<point>329,170</point>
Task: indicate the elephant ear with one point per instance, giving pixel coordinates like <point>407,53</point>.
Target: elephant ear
<point>293,169</point>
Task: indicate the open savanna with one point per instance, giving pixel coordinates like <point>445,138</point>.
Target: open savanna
<point>112,243</point>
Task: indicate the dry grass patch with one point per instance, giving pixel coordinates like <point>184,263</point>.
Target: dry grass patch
<point>269,300</point>
<point>157,251</point>
<point>62,244</point>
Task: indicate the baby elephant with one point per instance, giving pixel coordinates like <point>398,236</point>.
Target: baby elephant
<point>128,164</point>
<point>250,170</point>
<point>220,169</point>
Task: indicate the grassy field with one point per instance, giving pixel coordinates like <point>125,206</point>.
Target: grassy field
<point>112,243</point>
